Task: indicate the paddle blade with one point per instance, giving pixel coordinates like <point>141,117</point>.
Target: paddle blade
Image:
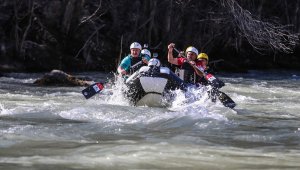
<point>226,100</point>
<point>215,82</point>
<point>92,90</point>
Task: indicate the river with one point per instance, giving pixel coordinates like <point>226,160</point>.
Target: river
<point>57,128</point>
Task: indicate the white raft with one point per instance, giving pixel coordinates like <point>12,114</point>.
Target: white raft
<point>151,85</point>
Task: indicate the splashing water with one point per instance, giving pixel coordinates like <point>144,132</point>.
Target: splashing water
<point>57,128</point>
<point>116,90</point>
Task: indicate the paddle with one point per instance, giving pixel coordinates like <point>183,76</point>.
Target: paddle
<point>226,100</point>
<point>132,68</point>
<point>95,88</point>
<point>92,90</point>
<point>216,84</point>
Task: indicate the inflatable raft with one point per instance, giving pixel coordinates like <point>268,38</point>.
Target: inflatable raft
<point>151,85</point>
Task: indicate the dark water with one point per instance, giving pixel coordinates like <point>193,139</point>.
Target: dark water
<point>57,128</point>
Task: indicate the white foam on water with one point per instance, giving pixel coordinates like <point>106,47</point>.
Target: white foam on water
<point>4,111</point>
<point>197,104</point>
<point>242,99</point>
<point>190,134</point>
<point>115,91</point>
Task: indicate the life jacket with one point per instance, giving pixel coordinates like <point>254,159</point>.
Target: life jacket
<point>135,60</point>
<point>186,72</point>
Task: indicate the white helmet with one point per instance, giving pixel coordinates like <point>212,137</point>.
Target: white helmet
<point>192,49</point>
<point>136,45</point>
<point>154,62</point>
<point>147,52</point>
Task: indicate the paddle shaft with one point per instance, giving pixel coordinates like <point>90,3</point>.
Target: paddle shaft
<point>136,64</point>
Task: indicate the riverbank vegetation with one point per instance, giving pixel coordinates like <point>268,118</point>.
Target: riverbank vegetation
<point>93,35</point>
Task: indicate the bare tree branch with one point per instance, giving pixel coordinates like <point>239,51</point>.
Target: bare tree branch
<point>88,40</point>
<point>31,8</point>
<point>85,19</point>
<point>121,51</point>
<point>261,35</point>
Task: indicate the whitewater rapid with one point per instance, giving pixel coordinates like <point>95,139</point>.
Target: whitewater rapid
<point>56,127</point>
